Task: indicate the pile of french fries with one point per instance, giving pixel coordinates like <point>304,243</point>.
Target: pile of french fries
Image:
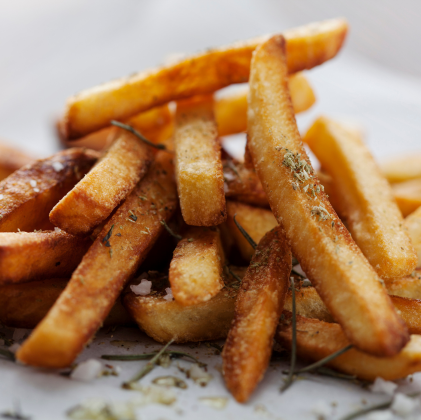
<point>146,190</point>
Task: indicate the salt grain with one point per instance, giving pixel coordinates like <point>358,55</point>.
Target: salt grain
<point>87,371</point>
<point>169,296</point>
<point>57,166</point>
<point>32,183</point>
<point>142,289</point>
<point>380,386</point>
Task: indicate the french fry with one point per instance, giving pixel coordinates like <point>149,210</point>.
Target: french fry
<point>93,199</point>
<point>407,195</point>
<point>366,199</point>
<point>256,222</point>
<point>309,305</point>
<point>412,224</point>
<point>156,125</point>
<point>93,109</point>
<point>24,306</point>
<point>11,160</point>
<point>344,279</point>
<point>28,256</point>
<point>166,320</point>
<point>105,269</point>
<point>317,340</point>
<point>196,268</point>
<point>409,286</point>
<point>231,110</point>
<point>402,168</point>
<point>242,184</point>
<point>198,166</point>
<point>28,195</point>
<point>258,307</point>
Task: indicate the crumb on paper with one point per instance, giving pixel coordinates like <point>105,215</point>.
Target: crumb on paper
<point>152,394</point>
<point>199,375</point>
<point>380,386</point>
<point>87,371</point>
<point>170,381</point>
<point>218,403</point>
<point>98,409</point>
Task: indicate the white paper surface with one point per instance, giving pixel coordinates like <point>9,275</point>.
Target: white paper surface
<point>52,49</point>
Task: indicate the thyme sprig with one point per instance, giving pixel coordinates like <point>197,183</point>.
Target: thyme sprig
<point>107,237</point>
<point>291,374</point>
<point>146,356</point>
<point>138,135</point>
<point>381,406</point>
<point>324,361</point>
<point>147,368</point>
<point>245,234</point>
<point>7,354</point>
<point>170,231</point>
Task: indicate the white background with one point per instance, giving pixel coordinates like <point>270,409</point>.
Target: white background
<point>51,49</point>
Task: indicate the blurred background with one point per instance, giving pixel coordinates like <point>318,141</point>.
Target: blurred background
<point>52,49</point>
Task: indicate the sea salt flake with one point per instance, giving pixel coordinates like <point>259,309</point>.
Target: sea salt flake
<point>403,405</point>
<point>1,196</point>
<point>169,296</point>
<point>87,371</point>
<point>57,166</point>
<point>380,386</point>
<point>143,288</point>
<point>32,183</point>
<point>36,189</point>
<point>297,268</point>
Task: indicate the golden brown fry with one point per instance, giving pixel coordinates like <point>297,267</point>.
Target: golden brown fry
<point>27,256</point>
<point>317,340</point>
<point>258,307</point>
<point>92,109</point>
<point>156,125</point>
<point>196,268</point>
<point>255,221</point>
<point>366,199</point>
<point>231,110</point>
<point>28,195</point>
<point>166,320</point>
<point>402,168</point>
<point>242,184</point>
<point>11,159</point>
<point>93,199</point>
<point>110,262</point>
<point>408,286</point>
<point>24,306</point>
<point>412,224</point>
<point>198,166</point>
<point>408,195</point>
<point>346,282</point>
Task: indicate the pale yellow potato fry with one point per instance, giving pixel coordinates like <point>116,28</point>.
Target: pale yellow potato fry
<point>407,195</point>
<point>317,340</point>
<point>412,224</point>
<point>204,73</point>
<point>365,197</point>
<point>198,166</point>
<point>155,124</point>
<point>93,199</point>
<point>196,269</point>
<point>242,184</point>
<point>166,320</point>
<point>28,256</point>
<point>258,307</point>
<point>255,221</point>
<point>231,110</point>
<point>28,195</point>
<point>343,277</point>
<point>12,159</point>
<point>402,168</point>
<point>24,306</point>
<point>409,286</point>
<point>109,264</point>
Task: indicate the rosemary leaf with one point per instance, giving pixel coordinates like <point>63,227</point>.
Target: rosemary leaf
<point>108,236</point>
<point>324,361</point>
<point>148,367</point>
<point>7,354</point>
<point>170,231</point>
<point>233,274</point>
<point>290,377</point>
<point>138,135</point>
<point>245,234</point>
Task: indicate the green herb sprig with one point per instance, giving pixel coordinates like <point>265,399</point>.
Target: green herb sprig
<point>170,231</point>
<point>138,135</point>
<point>245,234</point>
<point>147,368</point>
